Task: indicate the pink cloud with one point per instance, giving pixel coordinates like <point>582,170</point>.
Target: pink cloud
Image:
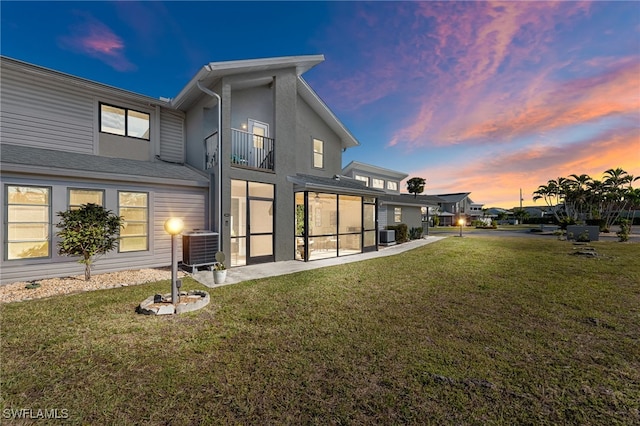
<point>495,179</point>
<point>548,106</point>
<point>93,38</point>
<point>484,55</point>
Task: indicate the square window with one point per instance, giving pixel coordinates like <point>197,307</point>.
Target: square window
<point>364,179</point>
<point>377,183</point>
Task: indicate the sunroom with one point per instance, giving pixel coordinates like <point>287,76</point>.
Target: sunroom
<point>334,217</point>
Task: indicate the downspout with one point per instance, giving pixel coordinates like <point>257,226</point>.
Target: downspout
<point>219,195</point>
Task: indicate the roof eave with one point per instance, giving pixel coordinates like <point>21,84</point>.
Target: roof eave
<point>318,105</point>
<point>97,176</point>
<point>214,70</point>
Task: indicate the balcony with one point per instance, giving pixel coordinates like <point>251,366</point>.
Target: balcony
<point>252,151</point>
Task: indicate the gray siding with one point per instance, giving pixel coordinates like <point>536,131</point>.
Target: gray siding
<point>255,103</point>
<point>164,201</point>
<point>43,111</point>
<point>43,114</point>
<point>310,126</point>
<point>171,136</point>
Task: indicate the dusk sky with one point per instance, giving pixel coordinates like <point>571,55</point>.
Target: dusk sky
<point>477,97</point>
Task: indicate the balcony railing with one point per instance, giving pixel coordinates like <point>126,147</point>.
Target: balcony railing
<point>211,150</point>
<point>253,151</point>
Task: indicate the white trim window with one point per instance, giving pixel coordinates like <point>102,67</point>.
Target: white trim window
<point>391,185</point>
<point>364,179</point>
<point>134,209</point>
<point>124,122</point>
<point>79,197</point>
<point>28,222</point>
<point>377,183</point>
<point>397,214</point>
<point>318,153</point>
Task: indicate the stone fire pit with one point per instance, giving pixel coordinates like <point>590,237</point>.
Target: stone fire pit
<point>162,304</point>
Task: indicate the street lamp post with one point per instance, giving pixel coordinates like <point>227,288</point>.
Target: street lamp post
<point>174,226</point>
<point>461,222</point>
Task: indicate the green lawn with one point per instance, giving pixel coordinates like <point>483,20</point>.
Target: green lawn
<point>463,331</point>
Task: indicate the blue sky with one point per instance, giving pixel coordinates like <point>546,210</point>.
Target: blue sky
<point>480,97</point>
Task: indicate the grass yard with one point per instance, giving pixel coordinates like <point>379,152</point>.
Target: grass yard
<point>484,330</point>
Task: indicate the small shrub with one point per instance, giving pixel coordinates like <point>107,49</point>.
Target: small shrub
<point>415,233</point>
<point>625,230</point>
<point>583,237</point>
<point>402,232</point>
<point>88,232</point>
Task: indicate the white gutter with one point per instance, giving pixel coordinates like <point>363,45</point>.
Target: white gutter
<point>219,195</point>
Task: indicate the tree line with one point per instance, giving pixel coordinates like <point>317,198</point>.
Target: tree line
<point>582,198</point>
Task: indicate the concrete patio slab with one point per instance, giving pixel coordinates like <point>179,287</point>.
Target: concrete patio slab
<point>245,273</point>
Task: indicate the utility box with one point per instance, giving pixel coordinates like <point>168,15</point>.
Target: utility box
<point>387,237</point>
<point>199,248</point>
<point>583,233</point>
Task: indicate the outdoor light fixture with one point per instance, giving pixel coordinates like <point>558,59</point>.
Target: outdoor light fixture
<point>461,222</point>
<point>174,226</point>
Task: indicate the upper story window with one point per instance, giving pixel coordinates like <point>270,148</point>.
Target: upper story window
<point>318,154</point>
<point>80,197</point>
<point>392,185</point>
<point>377,183</point>
<point>124,122</point>
<point>28,222</point>
<point>364,179</point>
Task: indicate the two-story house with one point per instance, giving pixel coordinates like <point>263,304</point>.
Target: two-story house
<point>394,207</point>
<point>246,149</point>
<point>454,207</point>
<point>274,151</point>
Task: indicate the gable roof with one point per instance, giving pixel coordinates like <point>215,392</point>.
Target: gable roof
<point>210,73</point>
<point>213,71</point>
<point>370,168</point>
<point>453,198</point>
<point>29,160</point>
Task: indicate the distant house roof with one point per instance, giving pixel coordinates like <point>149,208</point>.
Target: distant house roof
<point>337,184</point>
<point>369,168</point>
<point>29,160</point>
<point>410,200</point>
<point>454,198</point>
<point>210,73</point>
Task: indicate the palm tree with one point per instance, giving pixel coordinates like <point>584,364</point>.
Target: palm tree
<point>616,184</point>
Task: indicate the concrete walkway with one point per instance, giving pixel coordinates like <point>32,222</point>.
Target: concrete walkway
<point>264,270</point>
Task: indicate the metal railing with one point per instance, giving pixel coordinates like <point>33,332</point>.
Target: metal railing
<point>211,150</point>
<point>254,151</point>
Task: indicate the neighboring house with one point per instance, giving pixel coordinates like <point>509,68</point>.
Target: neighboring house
<point>454,207</point>
<point>393,207</point>
<point>247,149</point>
